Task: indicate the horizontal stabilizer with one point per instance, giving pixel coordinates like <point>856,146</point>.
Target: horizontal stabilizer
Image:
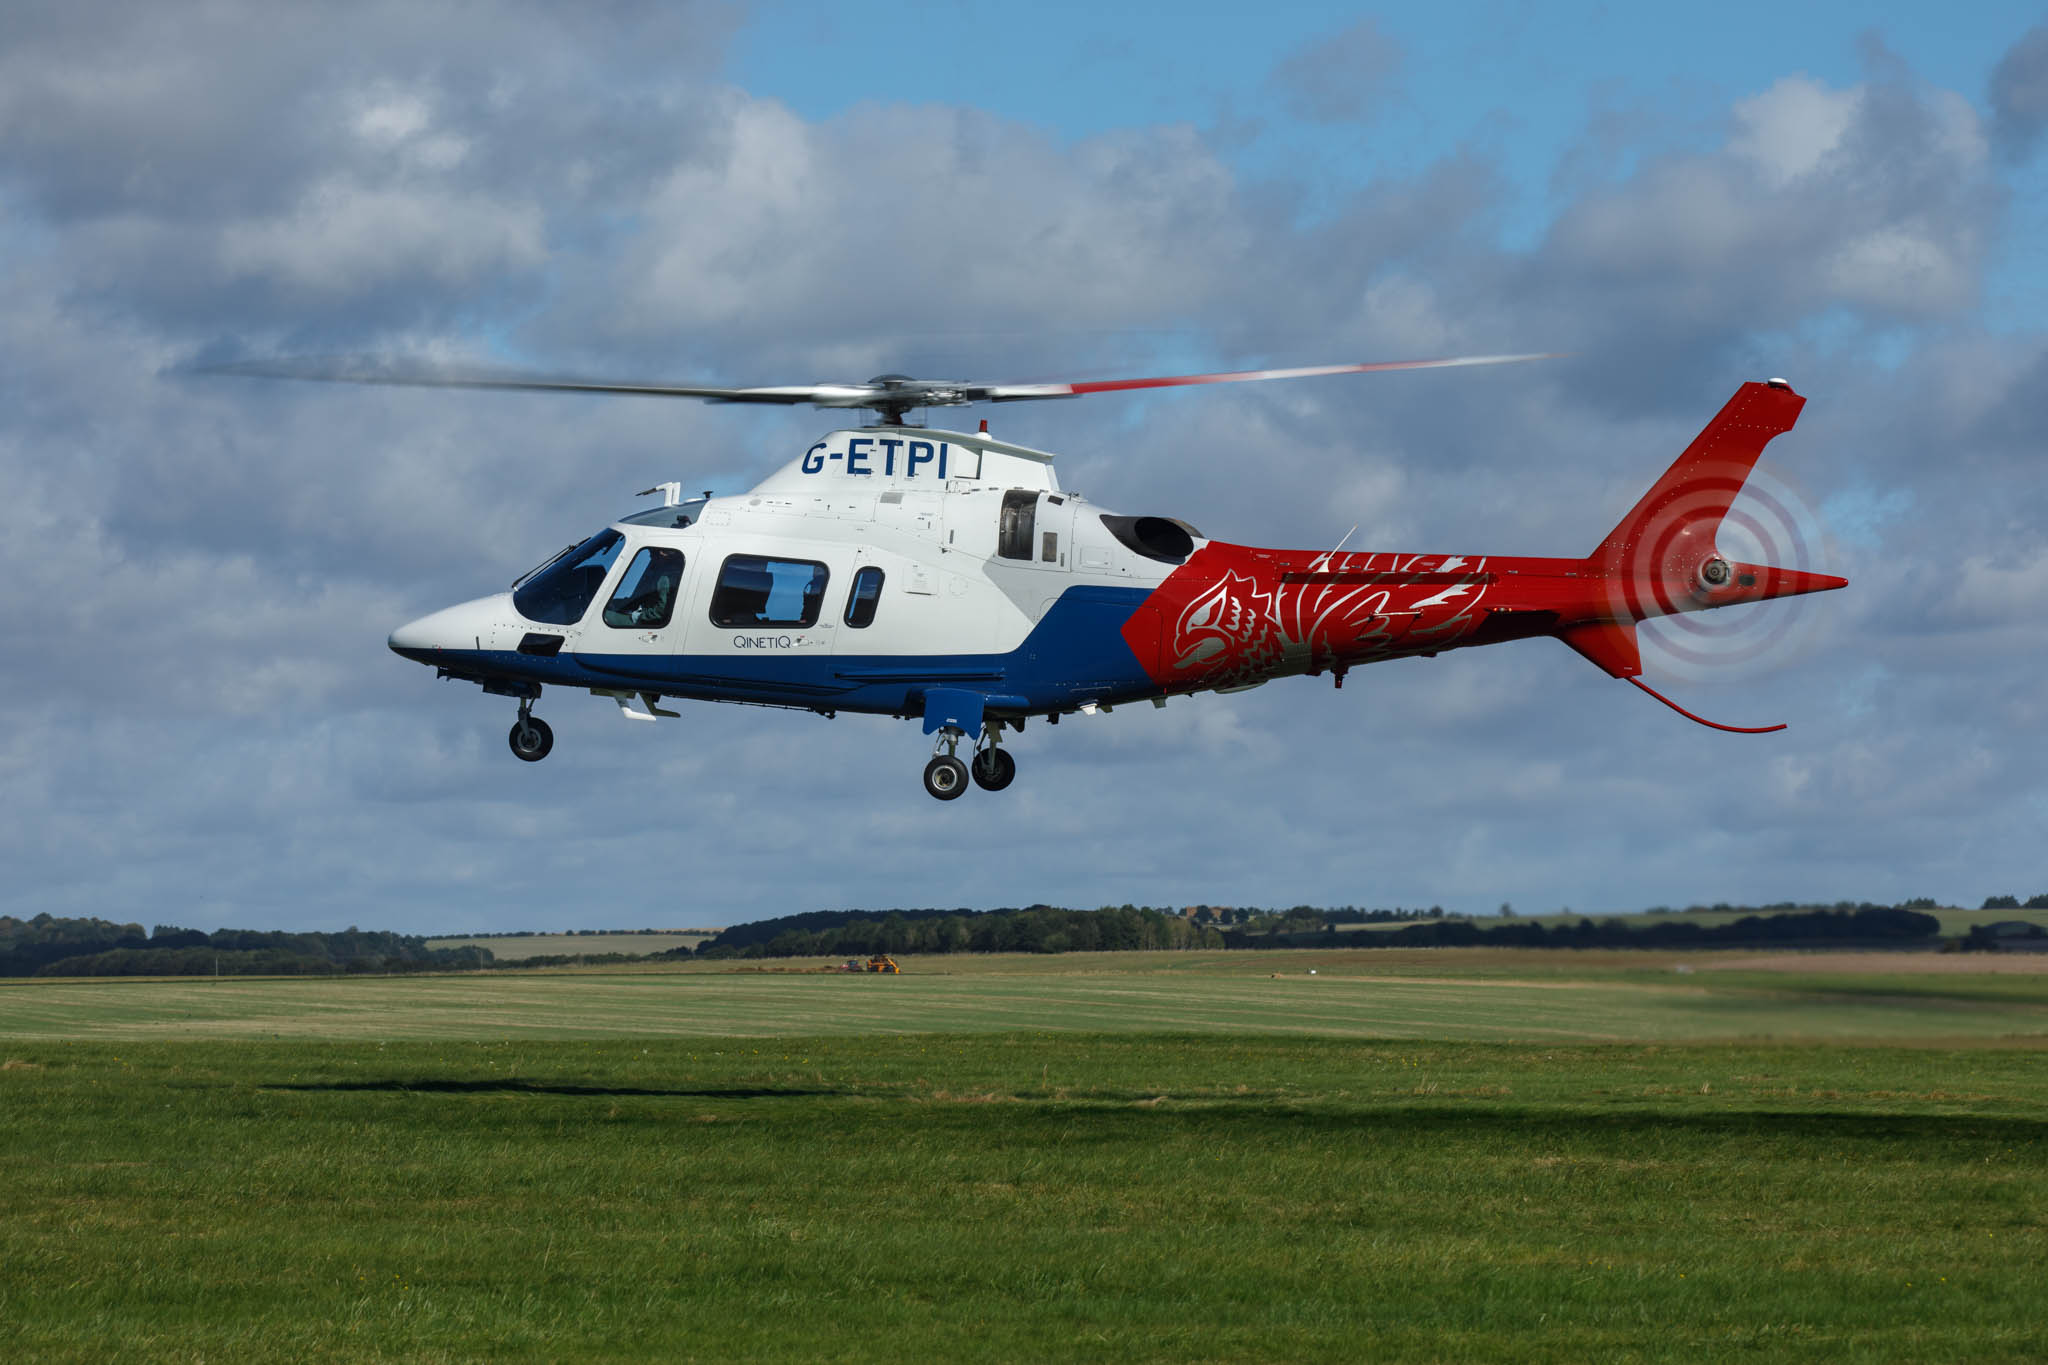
<point>1610,645</point>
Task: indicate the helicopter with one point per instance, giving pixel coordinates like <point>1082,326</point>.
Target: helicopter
<point>944,576</point>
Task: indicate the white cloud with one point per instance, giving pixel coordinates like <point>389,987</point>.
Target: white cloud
<point>1789,129</point>
<point>343,236</point>
<point>392,116</point>
<point>2004,592</point>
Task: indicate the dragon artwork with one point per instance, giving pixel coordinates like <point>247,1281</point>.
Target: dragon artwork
<point>1233,615</point>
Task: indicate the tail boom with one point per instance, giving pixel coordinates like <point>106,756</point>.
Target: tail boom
<point>1235,615</point>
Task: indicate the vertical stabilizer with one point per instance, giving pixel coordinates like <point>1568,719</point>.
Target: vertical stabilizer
<point>1661,557</point>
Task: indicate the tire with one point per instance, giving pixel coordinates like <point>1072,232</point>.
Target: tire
<point>531,739</point>
<point>994,769</point>
<point>945,778</point>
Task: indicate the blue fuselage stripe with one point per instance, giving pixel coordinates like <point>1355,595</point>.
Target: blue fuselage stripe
<point>1075,653</point>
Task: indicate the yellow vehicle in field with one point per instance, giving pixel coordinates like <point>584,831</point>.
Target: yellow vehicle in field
<point>882,962</point>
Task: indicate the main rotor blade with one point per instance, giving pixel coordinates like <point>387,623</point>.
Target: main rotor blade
<point>1011,393</point>
<point>891,395</point>
<point>357,372</point>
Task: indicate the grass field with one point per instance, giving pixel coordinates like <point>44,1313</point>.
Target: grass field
<point>514,947</point>
<point>1444,994</point>
<point>1431,1156</point>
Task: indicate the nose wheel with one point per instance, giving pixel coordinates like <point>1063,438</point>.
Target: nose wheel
<point>945,777</point>
<point>531,739</point>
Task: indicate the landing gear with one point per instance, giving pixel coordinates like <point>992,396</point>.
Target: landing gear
<point>993,769</point>
<point>945,777</point>
<point>531,739</point>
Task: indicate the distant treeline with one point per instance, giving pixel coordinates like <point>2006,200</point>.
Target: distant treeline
<point>1829,926</point>
<point>1051,929</point>
<point>48,945</point>
<point>1032,929</point>
<point>51,946</point>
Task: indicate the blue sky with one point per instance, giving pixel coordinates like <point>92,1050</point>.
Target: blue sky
<point>200,725</point>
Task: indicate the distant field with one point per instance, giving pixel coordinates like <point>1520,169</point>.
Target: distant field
<point>1409,1155</point>
<point>510,948</point>
<point>1397,993</point>
<point>1956,923</point>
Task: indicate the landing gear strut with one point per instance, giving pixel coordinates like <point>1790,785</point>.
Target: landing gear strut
<point>531,739</point>
<point>992,769</point>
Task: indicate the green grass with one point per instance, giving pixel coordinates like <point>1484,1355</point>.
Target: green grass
<point>1012,1197</point>
<point>512,948</point>
<point>1171,1160</point>
<point>1436,994</point>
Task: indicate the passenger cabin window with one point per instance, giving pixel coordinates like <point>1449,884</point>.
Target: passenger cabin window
<point>1019,515</point>
<point>863,597</point>
<point>646,595</point>
<point>560,593</point>
<point>756,591</point>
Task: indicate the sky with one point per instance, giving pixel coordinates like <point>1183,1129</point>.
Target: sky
<point>200,723</point>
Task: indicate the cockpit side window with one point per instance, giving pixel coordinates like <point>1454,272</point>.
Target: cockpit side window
<point>646,596</point>
<point>560,593</point>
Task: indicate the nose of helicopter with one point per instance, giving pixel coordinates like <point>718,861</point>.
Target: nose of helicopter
<point>465,627</point>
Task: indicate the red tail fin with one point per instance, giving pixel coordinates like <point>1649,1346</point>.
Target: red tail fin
<point>1696,491</point>
<point>1661,557</point>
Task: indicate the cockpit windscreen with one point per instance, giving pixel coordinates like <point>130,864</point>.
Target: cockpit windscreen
<point>560,593</point>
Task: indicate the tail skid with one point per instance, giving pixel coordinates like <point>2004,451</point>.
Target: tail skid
<point>1611,646</point>
<point>1710,724</point>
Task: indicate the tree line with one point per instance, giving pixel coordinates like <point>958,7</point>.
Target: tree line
<point>1827,926</point>
<point>1052,929</point>
<point>51,945</point>
<point>1031,929</point>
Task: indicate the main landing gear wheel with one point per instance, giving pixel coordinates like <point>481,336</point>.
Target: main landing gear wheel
<point>994,769</point>
<point>945,777</point>
<point>531,739</point>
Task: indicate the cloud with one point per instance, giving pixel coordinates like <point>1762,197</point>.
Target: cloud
<point>208,728</point>
<point>794,229</point>
<point>1791,128</point>
<point>1873,199</point>
<point>2019,93</point>
<point>332,158</point>
<point>1343,79</point>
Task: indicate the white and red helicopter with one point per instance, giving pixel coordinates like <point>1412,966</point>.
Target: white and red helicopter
<point>944,576</point>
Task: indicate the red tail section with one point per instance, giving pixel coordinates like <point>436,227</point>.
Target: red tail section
<point>1661,557</point>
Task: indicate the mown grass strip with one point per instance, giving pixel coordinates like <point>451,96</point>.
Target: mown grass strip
<point>1609,1002</point>
<point>1042,1195</point>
